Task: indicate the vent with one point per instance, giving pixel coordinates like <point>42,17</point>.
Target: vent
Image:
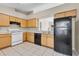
<point>24,12</point>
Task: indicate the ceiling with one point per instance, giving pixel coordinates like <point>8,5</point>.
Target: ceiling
<point>28,8</point>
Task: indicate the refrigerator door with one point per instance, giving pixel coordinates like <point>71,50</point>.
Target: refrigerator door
<point>63,42</point>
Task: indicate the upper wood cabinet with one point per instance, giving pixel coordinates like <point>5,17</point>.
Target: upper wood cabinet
<point>24,23</point>
<point>33,23</point>
<point>66,13</point>
<point>13,19</point>
<point>18,20</point>
<point>59,15</point>
<point>5,40</point>
<point>4,20</point>
<point>70,13</point>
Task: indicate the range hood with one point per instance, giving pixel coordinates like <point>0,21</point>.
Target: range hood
<point>16,23</point>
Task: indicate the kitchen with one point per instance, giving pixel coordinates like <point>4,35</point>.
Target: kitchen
<point>37,28</point>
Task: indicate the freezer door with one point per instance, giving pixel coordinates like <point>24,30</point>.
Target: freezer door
<point>62,22</point>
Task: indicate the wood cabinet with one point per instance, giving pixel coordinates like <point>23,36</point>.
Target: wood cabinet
<point>18,20</point>
<point>70,13</point>
<point>50,41</point>
<point>30,37</point>
<point>47,40</point>
<point>29,23</point>
<point>43,39</point>
<point>25,36</point>
<point>5,40</point>
<point>59,15</point>
<point>4,20</point>
<point>33,23</point>
<point>66,14</point>
<point>13,19</point>
<point>24,23</point>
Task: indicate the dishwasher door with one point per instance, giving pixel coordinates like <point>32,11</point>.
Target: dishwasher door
<point>37,38</point>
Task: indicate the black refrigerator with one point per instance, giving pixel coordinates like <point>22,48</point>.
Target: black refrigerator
<point>63,35</point>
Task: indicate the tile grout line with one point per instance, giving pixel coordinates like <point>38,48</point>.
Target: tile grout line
<point>17,51</point>
<point>4,53</point>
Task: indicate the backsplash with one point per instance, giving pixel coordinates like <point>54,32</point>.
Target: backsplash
<point>4,29</point>
<point>31,30</point>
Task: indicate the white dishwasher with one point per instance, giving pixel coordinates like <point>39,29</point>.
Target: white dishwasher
<point>17,36</point>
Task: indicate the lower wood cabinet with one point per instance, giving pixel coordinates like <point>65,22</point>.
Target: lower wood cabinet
<point>47,40</point>
<point>5,40</point>
<point>30,37</point>
<point>50,41</point>
<point>43,39</point>
<point>25,36</point>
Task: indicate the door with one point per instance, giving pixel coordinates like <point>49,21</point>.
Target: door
<point>63,35</point>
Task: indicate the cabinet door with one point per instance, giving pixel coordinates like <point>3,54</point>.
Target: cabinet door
<point>4,20</point>
<point>43,40</point>
<point>13,19</point>
<point>29,23</point>
<point>5,41</point>
<point>50,41</point>
<point>59,15</point>
<point>70,13</point>
<point>32,23</point>
<point>24,36</point>
<point>18,20</point>
<point>23,23</point>
<point>30,37</point>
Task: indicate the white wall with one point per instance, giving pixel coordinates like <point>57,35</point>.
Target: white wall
<point>45,23</point>
<point>10,11</point>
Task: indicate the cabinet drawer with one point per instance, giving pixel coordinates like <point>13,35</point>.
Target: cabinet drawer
<point>4,35</point>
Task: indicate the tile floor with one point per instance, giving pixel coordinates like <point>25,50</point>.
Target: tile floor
<point>28,49</point>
